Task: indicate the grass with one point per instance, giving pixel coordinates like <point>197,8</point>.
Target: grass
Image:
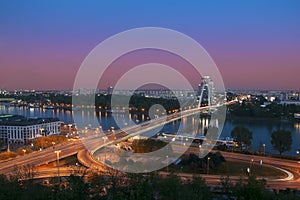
<point>7,155</point>
<point>231,169</point>
<point>240,169</point>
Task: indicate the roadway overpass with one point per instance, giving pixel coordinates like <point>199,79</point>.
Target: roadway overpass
<point>38,158</point>
<point>76,147</point>
<point>96,141</point>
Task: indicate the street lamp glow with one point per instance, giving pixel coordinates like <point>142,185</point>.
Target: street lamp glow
<point>208,159</point>
<point>42,129</point>
<point>251,162</point>
<point>24,150</point>
<point>200,150</point>
<point>57,158</point>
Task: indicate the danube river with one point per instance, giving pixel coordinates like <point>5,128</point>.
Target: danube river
<point>261,129</point>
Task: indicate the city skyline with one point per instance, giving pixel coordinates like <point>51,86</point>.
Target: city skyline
<point>149,99</point>
<point>254,44</point>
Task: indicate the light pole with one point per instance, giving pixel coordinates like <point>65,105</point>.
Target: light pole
<point>208,159</point>
<point>251,162</point>
<point>8,140</point>
<point>57,158</point>
<point>249,171</point>
<point>264,146</point>
<point>167,163</point>
<point>24,150</point>
<point>42,129</point>
<point>200,150</point>
<point>113,132</point>
<point>70,126</point>
<point>105,138</point>
<point>298,153</point>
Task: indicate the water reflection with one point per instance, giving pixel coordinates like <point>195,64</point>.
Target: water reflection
<point>297,127</point>
<point>261,129</point>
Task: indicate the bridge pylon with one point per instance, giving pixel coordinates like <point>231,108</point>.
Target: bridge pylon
<point>207,85</point>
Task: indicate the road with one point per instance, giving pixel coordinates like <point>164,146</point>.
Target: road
<point>38,158</point>
<point>289,167</point>
<point>97,141</point>
<point>73,147</point>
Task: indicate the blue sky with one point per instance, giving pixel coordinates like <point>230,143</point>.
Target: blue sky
<point>247,39</point>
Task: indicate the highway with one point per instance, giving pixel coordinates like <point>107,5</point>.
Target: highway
<point>98,141</point>
<point>290,180</point>
<point>38,158</point>
<point>289,167</point>
<point>70,148</point>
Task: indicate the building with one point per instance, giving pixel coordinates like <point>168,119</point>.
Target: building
<point>297,115</point>
<point>19,129</point>
<point>110,90</point>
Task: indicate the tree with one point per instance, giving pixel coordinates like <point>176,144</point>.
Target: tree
<point>242,135</point>
<point>281,140</point>
<point>252,189</point>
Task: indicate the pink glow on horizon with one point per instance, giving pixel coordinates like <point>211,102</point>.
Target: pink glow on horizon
<point>58,72</point>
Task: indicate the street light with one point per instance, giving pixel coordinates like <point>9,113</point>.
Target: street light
<point>105,138</point>
<point>24,150</point>
<point>70,126</point>
<point>167,163</point>
<point>208,159</point>
<point>57,158</point>
<point>42,129</point>
<point>298,153</point>
<point>251,162</point>
<point>249,171</point>
<point>200,150</point>
<point>264,146</point>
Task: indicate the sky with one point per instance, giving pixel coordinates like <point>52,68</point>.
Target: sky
<point>255,44</point>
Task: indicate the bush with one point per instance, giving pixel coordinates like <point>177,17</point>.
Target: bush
<point>7,155</point>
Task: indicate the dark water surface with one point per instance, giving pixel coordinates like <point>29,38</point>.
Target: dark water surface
<point>261,129</point>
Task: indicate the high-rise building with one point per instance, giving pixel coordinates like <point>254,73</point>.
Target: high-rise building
<point>110,90</point>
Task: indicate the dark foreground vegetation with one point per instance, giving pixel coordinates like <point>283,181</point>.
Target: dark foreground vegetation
<point>117,185</point>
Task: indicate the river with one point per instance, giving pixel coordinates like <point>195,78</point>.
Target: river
<point>260,128</point>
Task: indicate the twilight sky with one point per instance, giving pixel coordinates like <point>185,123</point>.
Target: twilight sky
<point>255,44</point>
